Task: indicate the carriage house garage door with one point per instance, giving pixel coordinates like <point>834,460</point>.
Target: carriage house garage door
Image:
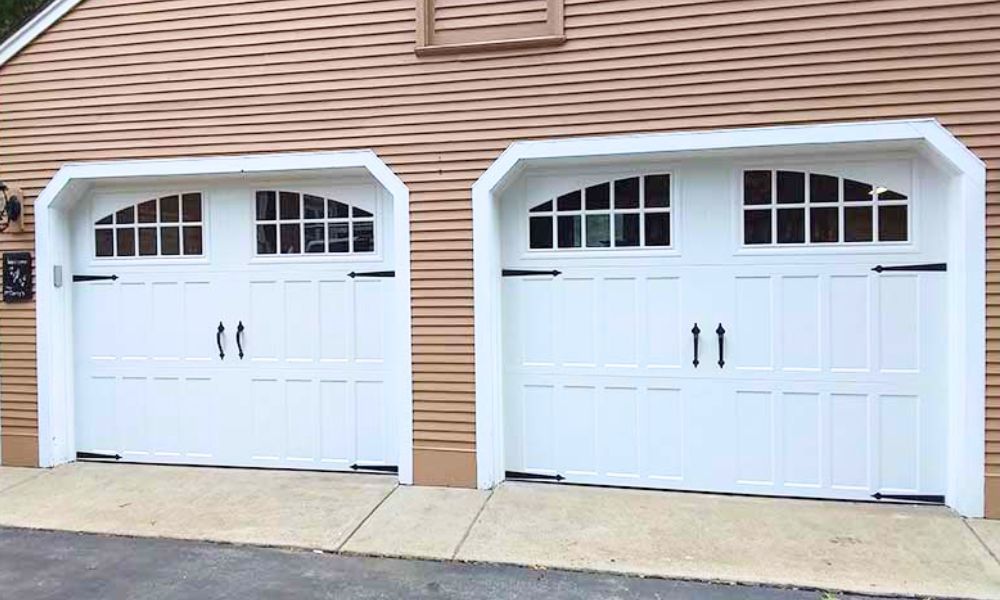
<point>719,326</point>
<point>247,324</point>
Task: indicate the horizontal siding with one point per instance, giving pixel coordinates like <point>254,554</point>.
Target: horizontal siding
<point>142,79</point>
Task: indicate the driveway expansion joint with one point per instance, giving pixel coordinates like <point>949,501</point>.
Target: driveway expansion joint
<point>361,523</point>
<point>472,524</point>
<point>980,539</point>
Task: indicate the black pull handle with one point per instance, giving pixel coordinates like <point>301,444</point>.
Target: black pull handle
<point>721,332</point>
<point>218,340</point>
<point>239,338</point>
<point>695,331</point>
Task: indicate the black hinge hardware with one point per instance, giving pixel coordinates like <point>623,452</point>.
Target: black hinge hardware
<point>353,275</point>
<point>930,499</point>
<point>375,468</point>
<point>97,456</point>
<point>83,278</point>
<point>533,476</point>
<point>925,267</point>
<point>528,273</point>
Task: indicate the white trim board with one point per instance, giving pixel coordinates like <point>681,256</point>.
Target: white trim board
<point>966,264</point>
<point>54,304</point>
<point>36,26</point>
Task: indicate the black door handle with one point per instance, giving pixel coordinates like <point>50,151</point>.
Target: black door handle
<point>218,340</point>
<point>239,338</point>
<point>695,332</point>
<point>721,332</point>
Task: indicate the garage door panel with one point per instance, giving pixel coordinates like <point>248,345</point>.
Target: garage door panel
<point>899,448</point>
<point>849,435</point>
<point>132,413</point>
<point>265,328</point>
<point>752,335</point>
<point>850,335</point>
<point>337,418</point>
<point>93,433</point>
<point>373,437</point>
<point>163,416</point>
<point>663,424</point>
<point>369,320</point>
<point>575,419</point>
<point>577,331</point>
<point>269,419</point>
<point>200,321</point>
<point>801,439</point>
<point>133,314</point>
<point>618,432</point>
<point>667,338</point>
<point>301,305</point>
<point>167,327</point>
<point>619,316</point>
<point>800,327</point>
<point>334,327</point>
<point>899,323</point>
<point>754,428</point>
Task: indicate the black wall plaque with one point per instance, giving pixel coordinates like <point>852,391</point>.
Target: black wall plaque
<point>17,277</point>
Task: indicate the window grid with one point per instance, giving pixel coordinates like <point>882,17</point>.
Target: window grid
<point>180,238</point>
<point>358,223</point>
<point>841,205</point>
<point>613,211</point>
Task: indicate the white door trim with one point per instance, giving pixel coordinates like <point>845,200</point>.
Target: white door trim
<point>966,266</point>
<point>54,304</point>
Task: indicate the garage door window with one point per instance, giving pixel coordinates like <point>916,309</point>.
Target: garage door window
<point>169,226</point>
<point>797,208</point>
<point>625,213</point>
<point>294,223</point>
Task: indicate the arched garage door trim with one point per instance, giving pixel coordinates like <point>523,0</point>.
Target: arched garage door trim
<point>966,257</point>
<point>72,182</point>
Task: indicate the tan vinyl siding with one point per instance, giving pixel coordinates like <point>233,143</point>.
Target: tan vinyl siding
<point>139,79</point>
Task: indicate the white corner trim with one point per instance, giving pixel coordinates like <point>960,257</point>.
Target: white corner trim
<point>54,309</point>
<point>35,27</point>
<point>966,372</point>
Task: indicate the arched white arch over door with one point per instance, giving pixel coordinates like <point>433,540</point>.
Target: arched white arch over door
<point>962,182</point>
<point>233,181</point>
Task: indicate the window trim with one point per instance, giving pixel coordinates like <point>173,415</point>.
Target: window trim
<point>376,219</point>
<point>807,247</point>
<point>159,257</point>
<point>501,37</point>
<point>607,251</point>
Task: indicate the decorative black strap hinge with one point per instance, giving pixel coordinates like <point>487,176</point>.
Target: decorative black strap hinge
<point>97,456</point>
<point>929,499</point>
<point>375,468</point>
<point>925,267</point>
<point>354,275</point>
<point>83,278</point>
<point>528,273</point>
<point>533,476</point>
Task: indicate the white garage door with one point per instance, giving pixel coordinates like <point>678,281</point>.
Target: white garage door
<point>720,327</point>
<point>245,326</point>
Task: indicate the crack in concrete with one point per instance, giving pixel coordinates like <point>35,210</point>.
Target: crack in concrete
<point>475,520</point>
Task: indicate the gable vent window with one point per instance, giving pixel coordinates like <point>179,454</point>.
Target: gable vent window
<point>796,208</point>
<point>294,223</point>
<point>445,26</point>
<point>169,226</point>
<point>626,213</point>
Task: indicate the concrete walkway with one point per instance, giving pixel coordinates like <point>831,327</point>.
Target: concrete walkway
<point>874,549</point>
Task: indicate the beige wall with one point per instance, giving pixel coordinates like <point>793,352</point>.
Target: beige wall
<point>153,78</point>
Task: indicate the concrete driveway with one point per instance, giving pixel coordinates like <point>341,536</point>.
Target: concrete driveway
<point>882,549</point>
